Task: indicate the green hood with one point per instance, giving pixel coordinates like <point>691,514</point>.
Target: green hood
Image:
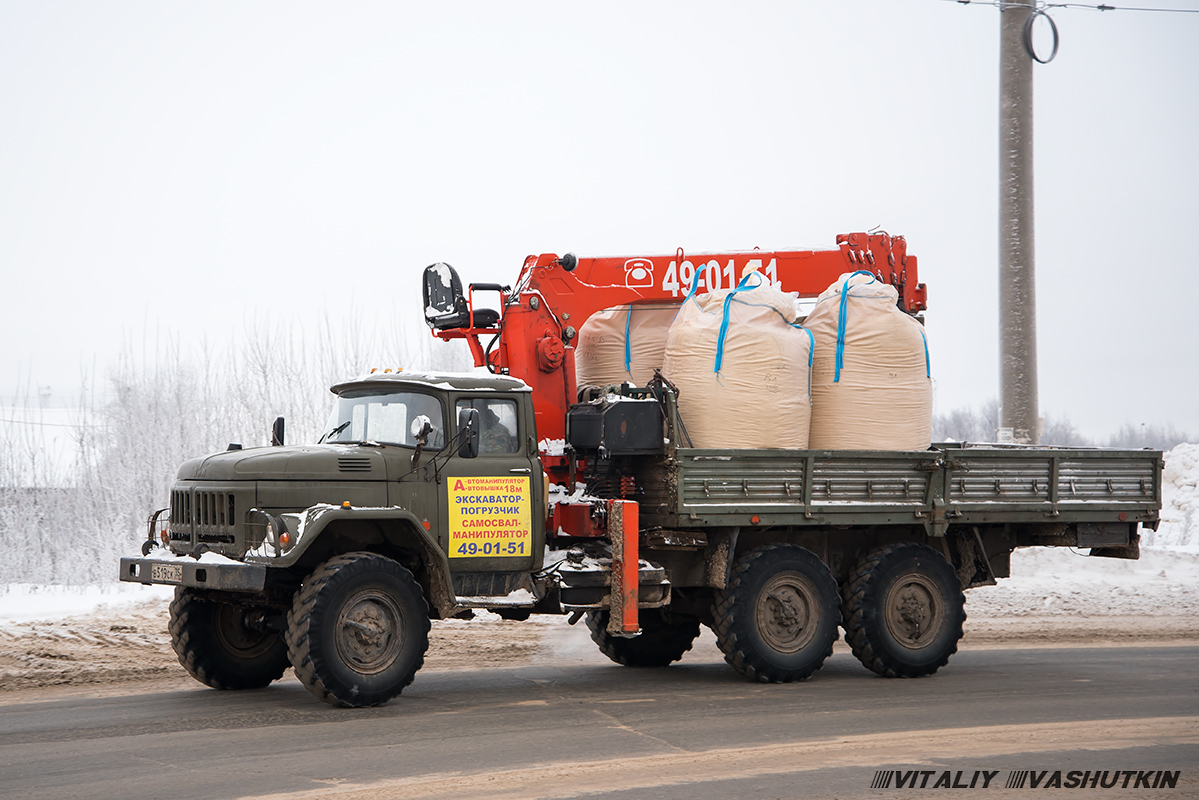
<point>328,462</point>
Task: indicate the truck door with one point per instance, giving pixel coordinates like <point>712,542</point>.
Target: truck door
<point>409,488</point>
<point>494,504</point>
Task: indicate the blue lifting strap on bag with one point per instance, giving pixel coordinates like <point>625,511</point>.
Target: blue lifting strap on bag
<point>811,353</point>
<point>628,347</point>
<point>928,373</point>
<point>841,320</point>
<point>724,322</point>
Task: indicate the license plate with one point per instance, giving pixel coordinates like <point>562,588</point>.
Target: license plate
<point>166,573</point>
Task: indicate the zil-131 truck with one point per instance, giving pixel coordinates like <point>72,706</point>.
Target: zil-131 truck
<point>430,496</point>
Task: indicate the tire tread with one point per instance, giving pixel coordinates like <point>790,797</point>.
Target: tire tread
<point>731,607</point>
<point>657,646</point>
<point>857,619</point>
<point>299,624</point>
<point>189,621</point>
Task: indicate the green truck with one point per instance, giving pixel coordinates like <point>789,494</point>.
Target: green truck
<point>430,496</point>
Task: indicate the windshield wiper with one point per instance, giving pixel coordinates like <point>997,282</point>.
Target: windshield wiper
<point>335,431</point>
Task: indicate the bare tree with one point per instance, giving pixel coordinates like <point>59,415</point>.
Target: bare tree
<point>160,404</point>
<point>967,424</point>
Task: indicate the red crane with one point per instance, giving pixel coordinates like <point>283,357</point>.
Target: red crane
<point>531,336</point>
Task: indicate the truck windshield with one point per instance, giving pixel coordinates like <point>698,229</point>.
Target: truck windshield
<point>371,416</point>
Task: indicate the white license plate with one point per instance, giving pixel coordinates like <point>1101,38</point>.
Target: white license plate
<point>166,573</point>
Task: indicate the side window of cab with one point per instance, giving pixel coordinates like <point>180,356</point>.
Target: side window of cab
<point>498,433</point>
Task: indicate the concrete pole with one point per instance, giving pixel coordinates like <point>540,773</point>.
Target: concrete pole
<point>1018,408</point>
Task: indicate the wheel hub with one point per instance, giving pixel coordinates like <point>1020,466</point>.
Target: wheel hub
<point>785,611</point>
<point>238,635</point>
<point>913,612</point>
<point>368,632</point>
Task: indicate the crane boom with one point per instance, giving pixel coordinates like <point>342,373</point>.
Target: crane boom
<point>532,336</point>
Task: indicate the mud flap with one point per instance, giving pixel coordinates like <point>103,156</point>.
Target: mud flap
<point>970,560</point>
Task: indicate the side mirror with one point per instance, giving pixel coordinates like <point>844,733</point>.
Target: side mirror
<point>445,307</point>
<point>468,429</point>
<point>277,432</point>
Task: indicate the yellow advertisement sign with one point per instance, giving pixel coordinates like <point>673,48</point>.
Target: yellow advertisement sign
<point>490,517</point>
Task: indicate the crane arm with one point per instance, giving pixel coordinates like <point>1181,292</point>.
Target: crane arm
<point>540,318</point>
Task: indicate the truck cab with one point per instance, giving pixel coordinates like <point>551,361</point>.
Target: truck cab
<point>435,475</point>
<point>398,449</point>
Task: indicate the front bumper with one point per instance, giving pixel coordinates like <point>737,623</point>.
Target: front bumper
<point>232,577</point>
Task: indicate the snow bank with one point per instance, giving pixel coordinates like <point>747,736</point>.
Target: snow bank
<point>1060,580</point>
<point>1180,499</point>
<point>24,602</point>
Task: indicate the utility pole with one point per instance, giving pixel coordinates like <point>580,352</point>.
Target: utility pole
<point>1018,408</point>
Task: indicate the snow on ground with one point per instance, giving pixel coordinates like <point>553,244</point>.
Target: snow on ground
<point>1180,499</point>
<point>24,602</point>
<point>1164,582</point>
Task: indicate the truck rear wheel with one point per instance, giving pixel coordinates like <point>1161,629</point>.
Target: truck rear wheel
<point>662,641</point>
<point>903,607</point>
<point>223,645</point>
<point>777,617</point>
<point>358,630</point>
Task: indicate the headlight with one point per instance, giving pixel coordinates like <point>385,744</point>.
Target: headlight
<point>278,535</point>
<point>268,534</point>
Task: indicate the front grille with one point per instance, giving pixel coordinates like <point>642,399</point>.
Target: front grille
<point>211,515</point>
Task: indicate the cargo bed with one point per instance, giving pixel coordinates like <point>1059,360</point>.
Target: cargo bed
<point>948,484</point>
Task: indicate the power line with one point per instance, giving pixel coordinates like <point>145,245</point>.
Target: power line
<point>39,423</point>
<point>1104,7</point>
<point>1089,7</point>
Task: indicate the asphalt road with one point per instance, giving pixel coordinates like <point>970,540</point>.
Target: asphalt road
<point>694,730</point>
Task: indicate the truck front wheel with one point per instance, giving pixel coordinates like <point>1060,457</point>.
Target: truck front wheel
<point>662,641</point>
<point>358,630</point>
<point>223,645</point>
<point>903,608</point>
<point>776,619</point>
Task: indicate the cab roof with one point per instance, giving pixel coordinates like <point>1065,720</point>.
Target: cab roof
<point>451,381</point>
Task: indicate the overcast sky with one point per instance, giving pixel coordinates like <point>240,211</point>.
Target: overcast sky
<point>172,168</point>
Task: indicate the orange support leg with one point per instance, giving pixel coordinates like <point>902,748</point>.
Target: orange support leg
<point>622,530</point>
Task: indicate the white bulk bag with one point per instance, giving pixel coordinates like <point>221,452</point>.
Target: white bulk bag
<point>621,344</point>
<point>741,365</point>
<point>871,388</point>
